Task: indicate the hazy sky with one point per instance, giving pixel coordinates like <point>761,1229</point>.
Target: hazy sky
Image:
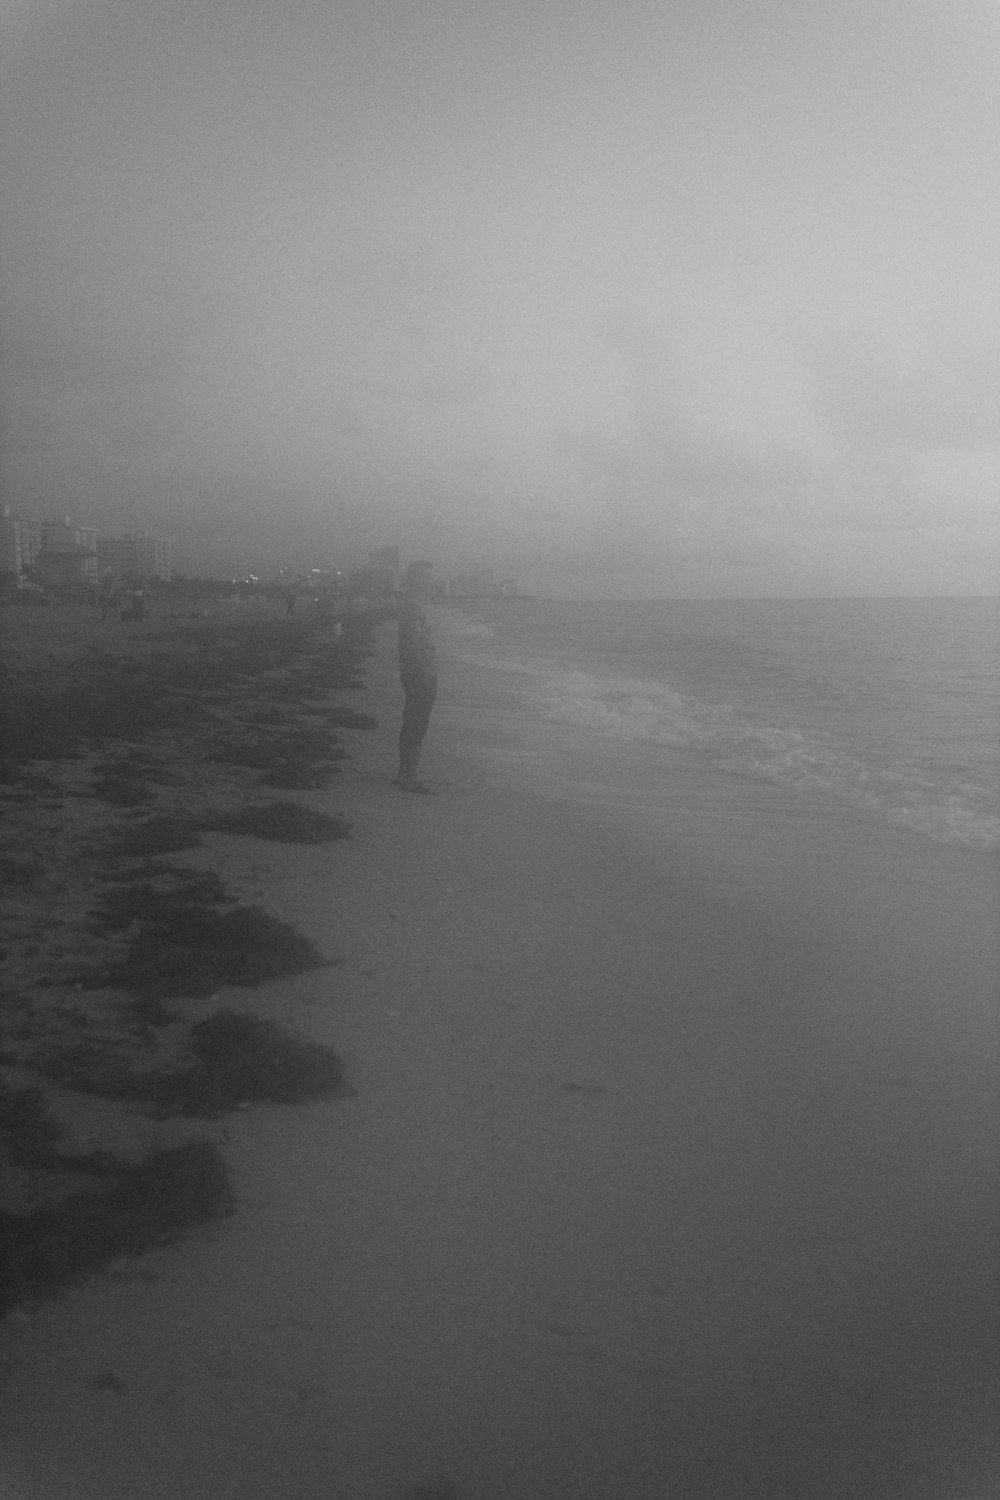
<point>631,296</point>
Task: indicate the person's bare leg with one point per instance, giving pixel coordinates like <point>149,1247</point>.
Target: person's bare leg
<point>407,779</point>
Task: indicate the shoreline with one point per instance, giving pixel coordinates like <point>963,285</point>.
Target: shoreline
<point>609,1212</point>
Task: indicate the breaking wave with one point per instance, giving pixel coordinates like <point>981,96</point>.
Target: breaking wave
<point>881,724</point>
<point>904,794</point>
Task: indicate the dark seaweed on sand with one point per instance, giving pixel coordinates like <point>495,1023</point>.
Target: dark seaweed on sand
<point>172,938</point>
<point>234,1059</point>
<point>168,1194</point>
<point>229,1059</point>
<point>20,872</point>
<point>122,786</point>
<point>282,822</point>
<point>268,751</point>
<point>159,835</point>
<point>181,950</point>
<point>106,700</point>
<point>344,718</point>
<point>142,901</point>
<point>112,698</point>
<point>299,775</point>
<point>28,1132</point>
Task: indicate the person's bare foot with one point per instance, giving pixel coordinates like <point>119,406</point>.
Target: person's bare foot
<point>418,786</point>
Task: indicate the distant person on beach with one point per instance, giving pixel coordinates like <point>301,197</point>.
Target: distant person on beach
<point>418,674</point>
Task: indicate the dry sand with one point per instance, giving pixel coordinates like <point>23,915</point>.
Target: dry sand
<point>564,1241</point>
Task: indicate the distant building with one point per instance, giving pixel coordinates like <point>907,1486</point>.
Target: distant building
<point>137,553</point>
<point>481,585</point>
<point>385,557</point>
<point>20,544</point>
<point>67,557</point>
<point>380,580</point>
<point>328,578</point>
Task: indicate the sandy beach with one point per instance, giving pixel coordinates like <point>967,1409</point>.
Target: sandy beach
<point>643,1184</point>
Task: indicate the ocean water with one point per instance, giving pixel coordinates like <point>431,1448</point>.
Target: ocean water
<point>887,709</point>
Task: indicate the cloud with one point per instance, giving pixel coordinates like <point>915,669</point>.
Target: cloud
<point>881,438</point>
<point>455,387</point>
<point>685,471</point>
<point>939,393</point>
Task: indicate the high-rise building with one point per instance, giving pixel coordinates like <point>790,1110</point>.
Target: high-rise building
<point>20,544</point>
<point>137,553</point>
<point>68,554</point>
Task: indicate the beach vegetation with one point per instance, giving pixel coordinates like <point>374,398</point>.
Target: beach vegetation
<point>299,775</point>
<point>152,931</point>
<point>180,950</point>
<point>20,872</point>
<point>162,834</point>
<point>28,1131</point>
<point>282,822</point>
<point>142,901</point>
<point>227,1060</point>
<point>234,1058</point>
<point>135,1209</point>
<point>268,753</point>
<point>345,718</point>
<point>122,784</point>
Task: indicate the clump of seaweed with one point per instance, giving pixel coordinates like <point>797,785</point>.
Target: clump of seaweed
<point>268,716</point>
<point>20,872</point>
<point>299,775</point>
<point>308,741</point>
<point>249,1058</point>
<point>229,1059</point>
<point>345,718</point>
<point>108,699</point>
<point>257,755</point>
<point>28,1132</point>
<point>269,751</point>
<point>157,835</point>
<point>283,823</point>
<point>31,1136</point>
<point>122,785</point>
<point>234,1059</point>
<point>294,691</point>
<point>300,689</point>
<point>141,1207</point>
<point>182,951</point>
<point>142,901</point>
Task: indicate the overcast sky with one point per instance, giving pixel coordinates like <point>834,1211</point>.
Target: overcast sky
<point>697,297</point>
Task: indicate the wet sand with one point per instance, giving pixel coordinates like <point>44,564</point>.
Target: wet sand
<point>651,1185</point>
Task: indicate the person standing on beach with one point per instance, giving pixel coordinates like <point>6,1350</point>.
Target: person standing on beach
<point>418,674</point>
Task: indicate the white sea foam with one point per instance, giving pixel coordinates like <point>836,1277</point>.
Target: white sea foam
<point>786,755</point>
<point>461,630</point>
<point>838,703</point>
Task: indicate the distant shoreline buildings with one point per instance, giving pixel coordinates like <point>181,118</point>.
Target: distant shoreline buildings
<point>382,578</point>
<point>65,554</point>
<point>482,585</point>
